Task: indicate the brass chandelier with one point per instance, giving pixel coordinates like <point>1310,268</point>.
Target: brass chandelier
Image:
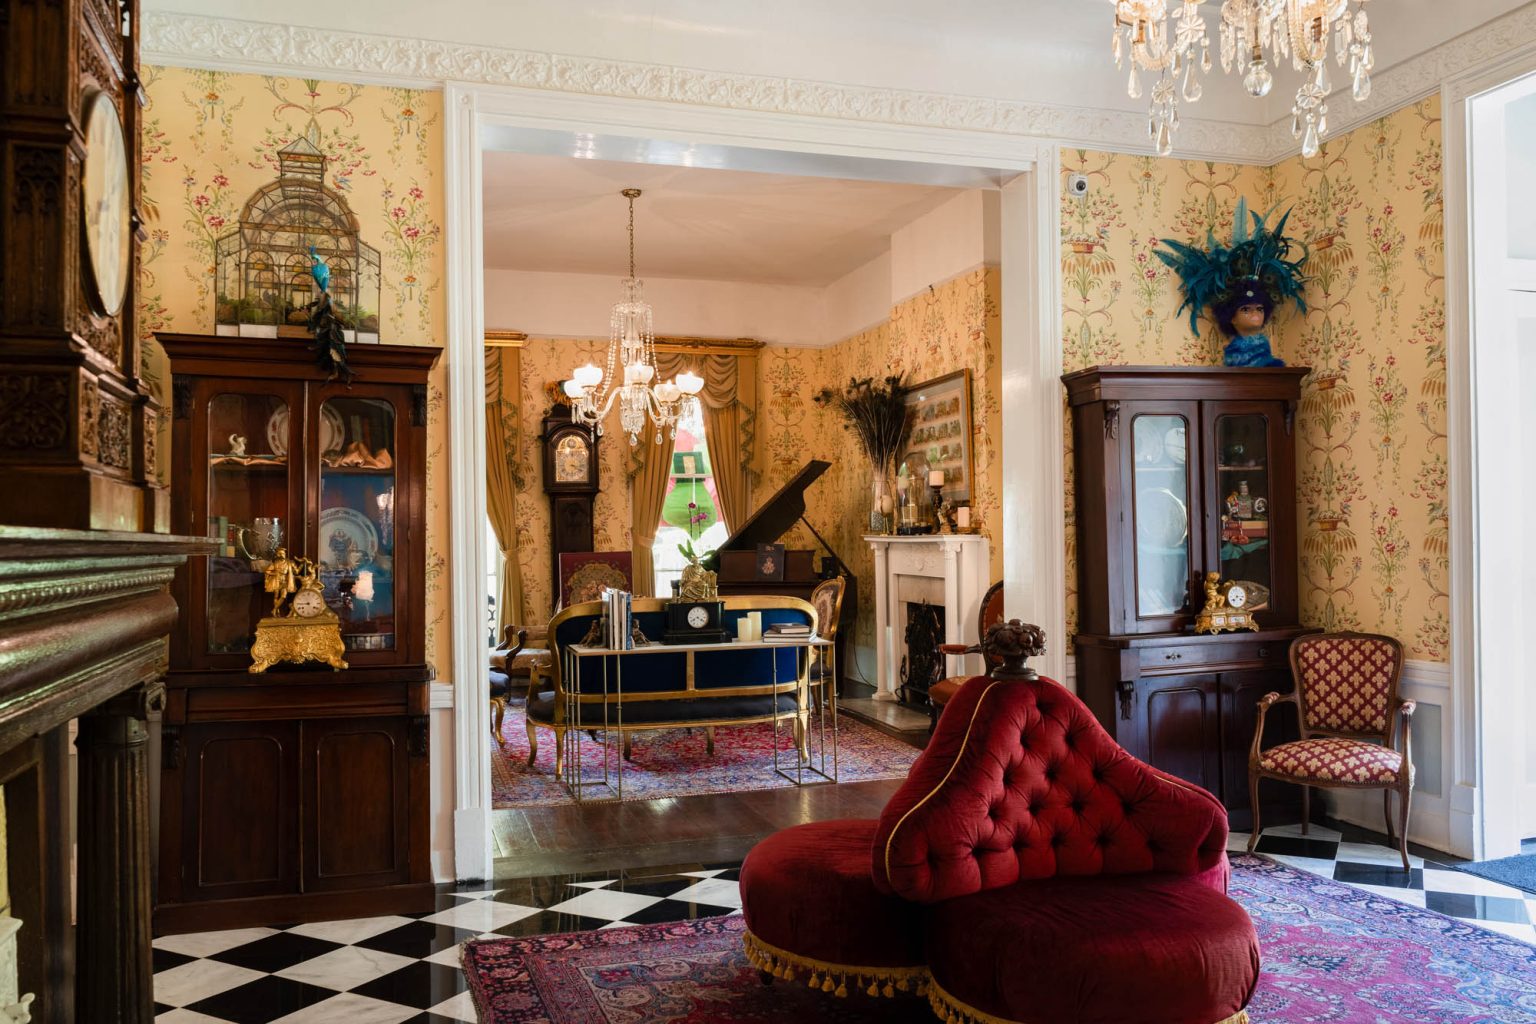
<point>1169,41</point>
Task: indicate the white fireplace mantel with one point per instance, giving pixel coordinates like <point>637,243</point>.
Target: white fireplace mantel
<point>950,567</point>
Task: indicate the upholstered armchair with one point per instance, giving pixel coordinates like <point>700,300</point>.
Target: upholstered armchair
<point>1029,871</point>
<point>991,614</point>
<point>1349,710</point>
<point>827,599</point>
<point>518,664</point>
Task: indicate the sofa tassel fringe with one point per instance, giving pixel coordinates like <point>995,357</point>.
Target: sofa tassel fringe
<point>828,978</point>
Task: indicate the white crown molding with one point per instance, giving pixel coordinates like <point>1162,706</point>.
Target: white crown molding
<point>235,45</point>
<point>1418,77</point>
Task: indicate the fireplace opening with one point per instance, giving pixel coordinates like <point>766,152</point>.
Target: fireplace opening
<point>922,665</point>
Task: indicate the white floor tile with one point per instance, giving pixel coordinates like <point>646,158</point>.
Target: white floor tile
<point>179,1016</point>
<point>460,1007</point>
<point>593,885</point>
<point>202,944</point>
<point>704,874</point>
<point>1315,832</point>
<point>716,892</point>
<point>198,980</point>
<point>605,905</point>
<point>345,968</point>
<point>348,932</point>
<point>453,956</point>
<point>1413,897</point>
<point>1371,853</point>
<point>1316,865</point>
<point>482,894</point>
<point>1523,932</point>
<point>481,915</point>
<point>351,1008</point>
<point>1237,842</point>
<point>1459,881</point>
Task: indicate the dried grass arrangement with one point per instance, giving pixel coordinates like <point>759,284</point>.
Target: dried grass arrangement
<point>876,413</point>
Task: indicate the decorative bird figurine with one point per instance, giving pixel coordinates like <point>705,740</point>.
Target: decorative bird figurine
<point>319,270</point>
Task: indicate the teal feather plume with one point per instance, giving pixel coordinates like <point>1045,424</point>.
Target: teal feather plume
<point>1257,252</point>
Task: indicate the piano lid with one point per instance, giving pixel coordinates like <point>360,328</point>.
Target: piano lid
<point>774,517</point>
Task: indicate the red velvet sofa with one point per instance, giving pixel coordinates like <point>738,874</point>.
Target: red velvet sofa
<point>1029,871</point>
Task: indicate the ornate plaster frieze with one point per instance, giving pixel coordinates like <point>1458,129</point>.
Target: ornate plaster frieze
<point>198,41</point>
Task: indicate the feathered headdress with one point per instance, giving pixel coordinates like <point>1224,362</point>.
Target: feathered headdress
<point>1258,253</point>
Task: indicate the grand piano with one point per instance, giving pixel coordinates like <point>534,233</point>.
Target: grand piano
<point>774,518</point>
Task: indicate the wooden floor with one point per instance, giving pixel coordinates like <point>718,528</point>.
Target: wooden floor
<point>682,830</point>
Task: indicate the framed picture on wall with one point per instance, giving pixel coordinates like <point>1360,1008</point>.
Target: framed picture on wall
<point>941,432</point>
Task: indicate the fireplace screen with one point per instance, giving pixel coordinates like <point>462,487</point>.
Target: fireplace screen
<point>922,665</point>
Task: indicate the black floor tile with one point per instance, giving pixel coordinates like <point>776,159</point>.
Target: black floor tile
<point>431,1018</point>
<point>674,910</point>
<point>418,939</point>
<point>275,952</point>
<point>164,960</point>
<point>265,999</point>
<point>549,922</point>
<point>421,985</point>
<point>538,892</point>
<point>1295,846</point>
<point>1378,874</point>
<point>652,886</point>
<point>1478,908</point>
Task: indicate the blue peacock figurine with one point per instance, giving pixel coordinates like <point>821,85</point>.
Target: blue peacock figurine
<point>330,345</point>
<point>1241,283</point>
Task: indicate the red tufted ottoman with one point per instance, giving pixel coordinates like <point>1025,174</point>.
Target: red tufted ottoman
<point>813,911</point>
<point>1064,881</point>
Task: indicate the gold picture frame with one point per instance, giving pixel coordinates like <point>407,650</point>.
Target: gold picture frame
<point>941,435</point>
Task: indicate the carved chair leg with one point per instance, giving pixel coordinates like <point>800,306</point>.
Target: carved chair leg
<point>559,752</point>
<point>1405,797</point>
<point>1253,798</point>
<point>533,742</point>
<point>1386,812</point>
<point>629,747</point>
<point>709,740</point>
<point>499,713</point>
<point>1306,809</point>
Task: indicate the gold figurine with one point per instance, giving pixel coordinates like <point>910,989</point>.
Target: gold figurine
<point>307,630</point>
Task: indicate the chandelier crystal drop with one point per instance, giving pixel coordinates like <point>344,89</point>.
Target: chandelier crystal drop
<point>593,390</point>
<point>1168,39</point>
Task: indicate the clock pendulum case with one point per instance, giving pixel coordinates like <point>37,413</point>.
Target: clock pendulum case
<point>571,481</point>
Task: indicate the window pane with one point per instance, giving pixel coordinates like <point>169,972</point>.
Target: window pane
<point>1242,479</point>
<point>690,515</point>
<point>1162,513</point>
<point>357,519</point>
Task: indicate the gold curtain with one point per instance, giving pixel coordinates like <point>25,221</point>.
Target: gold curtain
<point>503,473</point>
<point>650,467</point>
<point>729,402</point>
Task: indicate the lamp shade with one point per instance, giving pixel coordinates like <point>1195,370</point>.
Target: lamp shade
<point>588,376</point>
<point>572,388</point>
<point>690,383</point>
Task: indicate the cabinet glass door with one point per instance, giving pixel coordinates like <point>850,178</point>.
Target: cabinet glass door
<point>1243,488</point>
<point>1160,479</point>
<point>249,504</point>
<point>358,448</point>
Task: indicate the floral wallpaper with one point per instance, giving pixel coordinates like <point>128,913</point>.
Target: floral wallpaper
<point>210,139</point>
<point>1371,452</point>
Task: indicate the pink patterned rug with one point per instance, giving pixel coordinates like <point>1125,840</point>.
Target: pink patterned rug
<point>674,762</point>
<point>1331,953</point>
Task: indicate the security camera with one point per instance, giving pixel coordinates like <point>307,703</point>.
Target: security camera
<point>1077,185</point>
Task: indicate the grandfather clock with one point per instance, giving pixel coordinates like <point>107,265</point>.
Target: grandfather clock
<point>570,480</point>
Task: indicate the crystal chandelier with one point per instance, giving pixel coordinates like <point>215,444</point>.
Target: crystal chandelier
<point>632,346</point>
<point>1256,35</point>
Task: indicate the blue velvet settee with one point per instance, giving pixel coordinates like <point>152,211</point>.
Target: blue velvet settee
<point>668,688</point>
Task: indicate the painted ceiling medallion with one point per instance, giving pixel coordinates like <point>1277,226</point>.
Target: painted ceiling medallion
<point>1169,39</point>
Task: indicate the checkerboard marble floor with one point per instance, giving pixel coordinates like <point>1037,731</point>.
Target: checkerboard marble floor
<point>405,970</point>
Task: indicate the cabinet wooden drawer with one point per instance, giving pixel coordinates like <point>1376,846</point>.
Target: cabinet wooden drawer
<point>1183,657</point>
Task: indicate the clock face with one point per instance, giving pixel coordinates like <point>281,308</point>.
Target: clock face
<point>308,603</point>
<point>1236,596</point>
<point>104,195</point>
<point>572,462</point>
<point>698,617</point>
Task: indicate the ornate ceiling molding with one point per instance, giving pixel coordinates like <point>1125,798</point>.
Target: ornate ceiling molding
<point>229,44</point>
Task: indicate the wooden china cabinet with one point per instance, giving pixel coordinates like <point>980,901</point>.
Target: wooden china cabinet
<point>1183,471</point>
<point>300,793</point>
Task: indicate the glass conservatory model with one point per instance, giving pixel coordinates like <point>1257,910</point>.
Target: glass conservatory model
<point>262,267</point>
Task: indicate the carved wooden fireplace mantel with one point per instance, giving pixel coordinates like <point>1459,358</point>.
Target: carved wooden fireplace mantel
<point>947,569</point>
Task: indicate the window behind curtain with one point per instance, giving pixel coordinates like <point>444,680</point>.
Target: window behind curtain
<point>692,480</point>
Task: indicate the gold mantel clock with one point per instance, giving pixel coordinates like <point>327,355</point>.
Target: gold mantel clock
<point>1226,607</point>
<point>306,629</point>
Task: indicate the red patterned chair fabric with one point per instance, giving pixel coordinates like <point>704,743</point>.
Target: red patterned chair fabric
<point>1348,708</point>
<point>1029,870</point>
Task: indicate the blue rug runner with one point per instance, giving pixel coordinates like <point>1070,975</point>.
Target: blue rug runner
<point>1518,871</point>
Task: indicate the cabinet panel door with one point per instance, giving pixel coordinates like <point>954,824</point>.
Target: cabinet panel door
<point>1182,731</point>
<point>240,810</point>
<point>1240,693</point>
<point>1159,478</point>
<point>356,803</point>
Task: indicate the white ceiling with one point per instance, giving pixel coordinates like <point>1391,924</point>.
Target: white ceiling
<point>561,214</point>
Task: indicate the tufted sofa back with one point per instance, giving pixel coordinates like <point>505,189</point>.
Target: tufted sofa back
<point>1020,782</point>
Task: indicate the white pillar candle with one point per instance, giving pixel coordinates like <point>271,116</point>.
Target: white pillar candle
<point>935,478</point>
<point>963,517</point>
<point>756,618</point>
<point>744,629</point>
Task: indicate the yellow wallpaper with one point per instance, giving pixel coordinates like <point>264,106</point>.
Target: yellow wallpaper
<point>1371,451</point>
<point>210,139</point>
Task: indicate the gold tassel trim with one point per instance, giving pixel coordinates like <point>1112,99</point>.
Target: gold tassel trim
<point>834,978</point>
<point>952,1011</point>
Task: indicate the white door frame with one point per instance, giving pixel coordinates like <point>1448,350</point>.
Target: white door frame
<point>1031,356</point>
<point>1486,615</point>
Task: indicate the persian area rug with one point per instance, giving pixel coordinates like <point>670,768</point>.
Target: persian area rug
<point>675,762</point>
<point>1518,871</point>
<point>1330,953</point>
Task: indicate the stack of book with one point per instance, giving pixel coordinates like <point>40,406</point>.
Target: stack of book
<point>620,617</point>
<point>787,632</point>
